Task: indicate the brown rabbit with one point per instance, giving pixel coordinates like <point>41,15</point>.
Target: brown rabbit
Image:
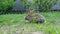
<point>31,15</point>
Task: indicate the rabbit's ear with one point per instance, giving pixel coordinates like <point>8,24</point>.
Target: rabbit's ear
<point>31,12</point>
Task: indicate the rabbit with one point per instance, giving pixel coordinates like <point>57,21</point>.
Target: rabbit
<point>31,15</point>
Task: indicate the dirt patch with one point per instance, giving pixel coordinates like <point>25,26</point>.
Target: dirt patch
<point>14,29</point>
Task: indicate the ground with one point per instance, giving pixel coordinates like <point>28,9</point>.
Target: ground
<point>15,24</point>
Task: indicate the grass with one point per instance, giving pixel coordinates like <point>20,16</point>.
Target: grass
<point>15,23</point>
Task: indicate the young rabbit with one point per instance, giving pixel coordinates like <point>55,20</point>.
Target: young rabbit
<point>32,15</point>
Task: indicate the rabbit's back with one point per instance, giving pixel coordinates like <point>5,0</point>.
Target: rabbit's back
<point>40,18</point>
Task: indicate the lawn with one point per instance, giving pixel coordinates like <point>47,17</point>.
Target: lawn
<point>15,24</point>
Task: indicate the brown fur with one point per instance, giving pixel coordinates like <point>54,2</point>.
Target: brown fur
<point>31,16</point>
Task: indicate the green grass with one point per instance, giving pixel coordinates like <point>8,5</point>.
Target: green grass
<point>15,22</point>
